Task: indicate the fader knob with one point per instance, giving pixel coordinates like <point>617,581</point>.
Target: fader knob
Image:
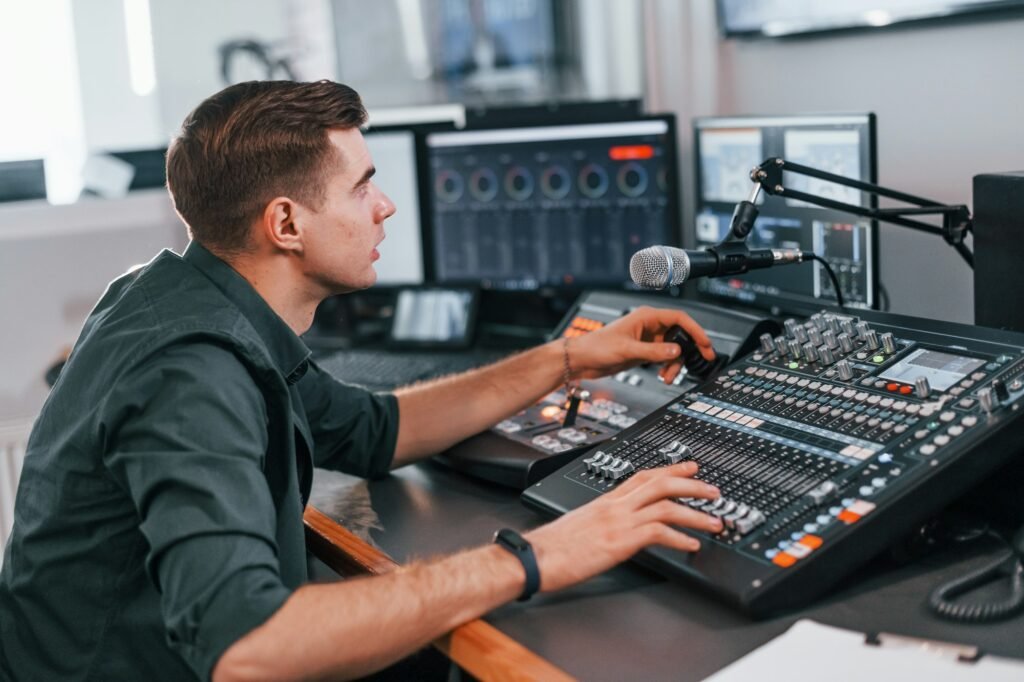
<point>810,352</point>
<point>845,370</point>
<point>871,339</point>
<point>845,343</point>
<point>828,337</point>
<point>767,345</point>
<point>825,355</point>
<point>999,388</point>
<point>888,343</point>
<point>987,400</point>
<point>922,389</point>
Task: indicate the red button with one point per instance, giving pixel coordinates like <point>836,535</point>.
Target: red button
<point>906,390</point>
<point>892,387</point>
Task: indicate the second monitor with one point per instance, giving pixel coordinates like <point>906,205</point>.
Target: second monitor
<point>844,144</point>
<point>552,206</point>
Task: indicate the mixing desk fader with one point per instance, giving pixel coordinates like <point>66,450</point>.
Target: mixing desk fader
<point>827,443</point>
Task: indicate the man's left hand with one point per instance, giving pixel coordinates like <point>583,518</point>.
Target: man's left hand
<point>635,339</point>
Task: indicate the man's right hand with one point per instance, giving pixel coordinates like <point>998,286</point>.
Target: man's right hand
<point>607,531</point>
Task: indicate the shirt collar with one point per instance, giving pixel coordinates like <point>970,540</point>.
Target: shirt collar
<point>286,349</point>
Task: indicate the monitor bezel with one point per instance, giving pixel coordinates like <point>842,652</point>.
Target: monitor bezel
<point>673,235</point>
<point>778,305</point>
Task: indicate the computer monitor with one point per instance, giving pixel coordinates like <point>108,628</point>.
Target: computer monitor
<point>393,149</point>
<point>727,148</point>
<point>549,207</point>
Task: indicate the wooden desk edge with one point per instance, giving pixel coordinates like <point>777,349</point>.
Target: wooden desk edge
<point>483,650</point>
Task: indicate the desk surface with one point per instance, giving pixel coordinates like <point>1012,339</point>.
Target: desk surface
<point>630,621</point>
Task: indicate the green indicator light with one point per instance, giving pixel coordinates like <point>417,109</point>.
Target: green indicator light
<point>878,358</point>
<point>793,365</point>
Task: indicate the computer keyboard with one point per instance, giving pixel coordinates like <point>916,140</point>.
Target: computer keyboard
<point>382,370</point>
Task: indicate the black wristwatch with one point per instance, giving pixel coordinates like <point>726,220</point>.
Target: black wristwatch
<point>508,539</point>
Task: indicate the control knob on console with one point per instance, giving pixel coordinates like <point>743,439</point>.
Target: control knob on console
<point>987,400</point>
<point>871,339</point>
<point>791,326</point>
<point>800,334</point>
<point>845,370</point>
<point>814,336</point>
<point>999,388</point>
<point>829,338</point>
<point>810,352</point>
<point>846,325</point>
<point>825,354</point>
<point>862,329</point>
<point>780,345</point>
<point>767,344</point>
<point>833,323</point>
<point>845,343</point>
<point>922,389</point>
<point>794,349</point>
<point>888,343</point>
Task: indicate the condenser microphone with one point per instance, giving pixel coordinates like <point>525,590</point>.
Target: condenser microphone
<point>659,267</point>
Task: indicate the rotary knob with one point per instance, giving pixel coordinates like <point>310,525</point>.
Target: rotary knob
<point>862,329</point>
<point>780,345</point>
<point>922,389</point>
<point>828,337</point>
<point>791,326</point>
<point>814,336</point>
<point>794,348</point>
<point>825,354</point>
<point>846,325</point>
<point>987,400</point>
<point>888,343</point>
<point>845,370</point>
<point>845,343</point>
<point>871,339</point>
<point>833,323</point>
<point>800,334</point>
<point>767,345</point>
<point>810,352</point>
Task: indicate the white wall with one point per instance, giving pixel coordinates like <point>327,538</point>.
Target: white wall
<point>948,97</point>
<point>55,262</point>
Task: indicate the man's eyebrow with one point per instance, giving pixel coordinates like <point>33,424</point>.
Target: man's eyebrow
<point>370,172</point>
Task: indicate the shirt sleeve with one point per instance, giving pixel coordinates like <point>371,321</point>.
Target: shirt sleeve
<point>186,437</point>
<point>354,430</point>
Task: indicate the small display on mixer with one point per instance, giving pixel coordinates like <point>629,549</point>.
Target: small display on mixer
<point>941,369</point>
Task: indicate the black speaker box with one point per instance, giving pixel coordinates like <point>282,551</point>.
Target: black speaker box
<point>999,250</point>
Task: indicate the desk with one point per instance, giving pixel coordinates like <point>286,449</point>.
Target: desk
<point>631,623</point>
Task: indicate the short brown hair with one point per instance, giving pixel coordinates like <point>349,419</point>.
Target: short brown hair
<point>252,142</point>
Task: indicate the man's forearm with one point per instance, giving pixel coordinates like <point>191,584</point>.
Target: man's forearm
<point>438,414</point>
<point>353,628</point>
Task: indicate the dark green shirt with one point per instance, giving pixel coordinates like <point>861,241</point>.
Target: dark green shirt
<point>159,514</point>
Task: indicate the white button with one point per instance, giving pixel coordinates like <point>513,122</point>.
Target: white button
<point>941,440</point>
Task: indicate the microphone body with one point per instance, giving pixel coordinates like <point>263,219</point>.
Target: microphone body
<point>659,267</point>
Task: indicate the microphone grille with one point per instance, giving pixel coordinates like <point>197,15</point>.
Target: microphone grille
<point>657,267</point>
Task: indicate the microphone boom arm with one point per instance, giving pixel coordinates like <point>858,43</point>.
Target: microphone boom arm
<point>956,219</point>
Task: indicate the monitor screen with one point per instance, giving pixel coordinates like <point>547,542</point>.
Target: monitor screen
<point>401,252</point>
<point>728,148</point>
<point>549,206</point>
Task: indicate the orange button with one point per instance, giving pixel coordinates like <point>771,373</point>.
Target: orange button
<point>905,390</point>
<point>848,517</point>
<point>892,387</point>
<point>812,541</point>
<point>784,560</point>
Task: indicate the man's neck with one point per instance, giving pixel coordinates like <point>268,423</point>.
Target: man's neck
<point>285,291</point>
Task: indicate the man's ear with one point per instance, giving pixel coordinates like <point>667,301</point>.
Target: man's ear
<point>280,224</point>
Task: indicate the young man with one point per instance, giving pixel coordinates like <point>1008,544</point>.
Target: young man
<point>158,530</point>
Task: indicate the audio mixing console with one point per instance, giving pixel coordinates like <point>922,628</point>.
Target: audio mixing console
<point>828,442</point>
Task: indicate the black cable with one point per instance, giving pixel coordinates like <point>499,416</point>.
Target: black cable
<point>940,601</point>
<point>831,275</point>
